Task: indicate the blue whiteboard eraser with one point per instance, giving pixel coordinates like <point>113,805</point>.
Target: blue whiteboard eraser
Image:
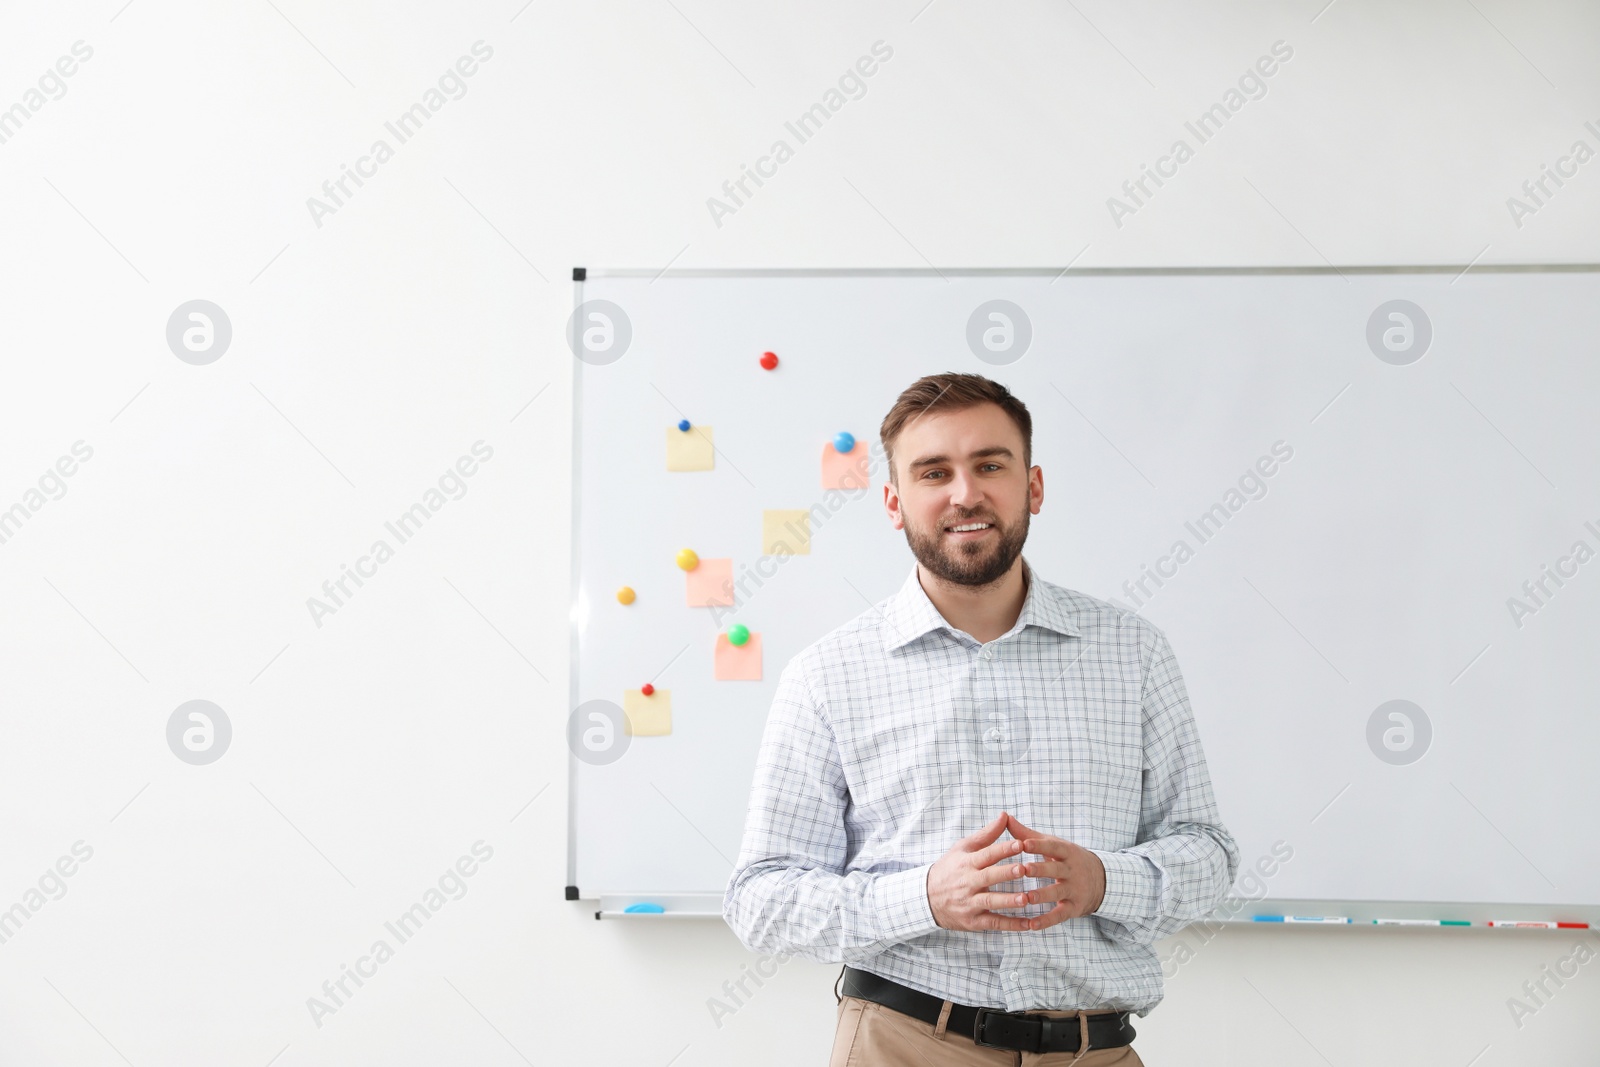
<point>644,909</point>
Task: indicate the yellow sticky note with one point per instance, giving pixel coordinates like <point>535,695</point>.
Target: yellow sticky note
<point>690,450</point>
<point>710,584</point>
<point>648,716</point>
<point>786,533</point>
<point>846,470</point>
<point>737,663</point>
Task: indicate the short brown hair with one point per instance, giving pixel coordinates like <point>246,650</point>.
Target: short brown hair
<point>952,392</point>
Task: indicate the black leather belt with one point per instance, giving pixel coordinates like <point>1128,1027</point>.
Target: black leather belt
<point>1018,1031</point>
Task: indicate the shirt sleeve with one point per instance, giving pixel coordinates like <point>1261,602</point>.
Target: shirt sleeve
<point>1184,860</point>
<point>790,892</point>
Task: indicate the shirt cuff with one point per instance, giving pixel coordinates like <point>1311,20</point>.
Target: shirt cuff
<point>1133,890</point>
<point>900,901</point>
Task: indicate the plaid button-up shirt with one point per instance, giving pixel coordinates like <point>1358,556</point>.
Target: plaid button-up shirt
<point>896,735</point>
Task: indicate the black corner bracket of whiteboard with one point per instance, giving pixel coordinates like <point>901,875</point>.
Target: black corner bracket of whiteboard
<point>580,274</point>
<point>572,892</point>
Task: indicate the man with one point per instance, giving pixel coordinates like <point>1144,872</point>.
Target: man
<point>986,796</point>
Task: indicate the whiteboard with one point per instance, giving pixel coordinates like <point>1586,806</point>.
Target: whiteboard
<point>1439,457</point>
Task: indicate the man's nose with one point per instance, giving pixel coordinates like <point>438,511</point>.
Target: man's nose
<point>964,490</point>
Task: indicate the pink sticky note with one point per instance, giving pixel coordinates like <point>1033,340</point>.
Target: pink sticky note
<point>738,663</point>
<point>710,584</point>
<point>846,470</point>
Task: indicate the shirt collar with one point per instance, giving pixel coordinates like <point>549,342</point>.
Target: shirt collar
<point>909,614</point>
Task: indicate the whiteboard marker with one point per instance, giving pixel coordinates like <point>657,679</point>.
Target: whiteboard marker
<point>1537,924</point>
<point>1421,922</point>
<point>1315,919</point>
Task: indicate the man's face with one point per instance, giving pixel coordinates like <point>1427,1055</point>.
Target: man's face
<point>960,469</point>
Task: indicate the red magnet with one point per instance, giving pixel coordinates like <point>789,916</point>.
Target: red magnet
<point>769,360</point>
<point>647,689</point>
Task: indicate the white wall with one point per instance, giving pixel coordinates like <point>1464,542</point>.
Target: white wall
<point>371,351</point>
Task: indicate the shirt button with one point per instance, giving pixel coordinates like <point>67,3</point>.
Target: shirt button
<point>1013,976</point>
<point>986,652</point>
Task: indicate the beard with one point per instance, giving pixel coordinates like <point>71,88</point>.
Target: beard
<point>972,563</point>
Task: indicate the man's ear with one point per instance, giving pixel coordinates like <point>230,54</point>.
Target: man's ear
<point>891,505</point>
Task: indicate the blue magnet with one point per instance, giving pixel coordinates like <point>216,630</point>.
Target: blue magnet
<point>683,424</point>
<point>843,441</point>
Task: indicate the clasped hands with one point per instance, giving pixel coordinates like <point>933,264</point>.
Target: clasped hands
<point>959,882</point>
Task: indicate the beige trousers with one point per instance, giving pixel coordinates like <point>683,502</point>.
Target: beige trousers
<point>871,1035</point>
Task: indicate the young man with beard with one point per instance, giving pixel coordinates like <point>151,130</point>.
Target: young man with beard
<point>985,796</point>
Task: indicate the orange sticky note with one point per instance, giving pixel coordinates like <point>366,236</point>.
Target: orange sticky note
<point>846,470</point>
<point>647,716</point>
<point>710,584</point>
<point>738,663</point>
